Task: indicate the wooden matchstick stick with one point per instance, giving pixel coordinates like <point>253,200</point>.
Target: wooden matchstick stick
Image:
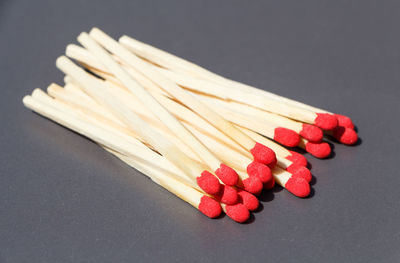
<point>198,200</point>
<point>222,151</point>
<point>174,90</point>
<point>249,94</point>
<point>96,90</point>
<point>134,148</point>
<point>237,212</point>
<point>225,174</point>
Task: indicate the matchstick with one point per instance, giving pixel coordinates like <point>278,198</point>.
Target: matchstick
<point>95,88</point>
<point>181,113</point>
<point>308,131</point>
<point>323,120</point>
<point>223,152</point>
<point>115,139</point>
<point>205,204</point>
<point>224,173</point>
<point>175,91</point>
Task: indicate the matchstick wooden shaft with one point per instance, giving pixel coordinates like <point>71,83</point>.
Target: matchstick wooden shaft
<point>179,111</point>
<point>111,136</point>
<point>51,110</point>
<point>163,178</point>
<point>96,90</point>
<point>228,155</point>
<point>182,66</point>
<point>173,89</point>
<point>170,121</point>
<point>71,96</point>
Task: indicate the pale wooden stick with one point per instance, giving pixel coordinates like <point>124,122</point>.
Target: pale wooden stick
<point>226,154</point>
<point>249,96</point>
<point>179,111</point>
<point>71,96</point>
<point>173,89</point>
<point>158,110</point>
<point>163,178</point>
<point>42,104</point>
<point>96,90</point>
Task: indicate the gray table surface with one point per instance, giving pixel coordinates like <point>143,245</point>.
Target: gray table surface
<point>64,199</point>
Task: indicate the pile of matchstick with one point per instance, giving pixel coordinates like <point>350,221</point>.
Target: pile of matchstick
<point>213,142</point>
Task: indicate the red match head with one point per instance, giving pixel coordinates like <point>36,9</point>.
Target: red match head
<point>344,121</point>
<point>326,121</point>
<point>263,154</point>
<point>297,158</point>
<point>300,171</point>
<point>286,137</point>
<point>298,186</point>
<point>259,170</point>
<point>238,212</point>
<point>345,135</point>
<point>249,200</point>
<point>227,175</point>
<point>319,150</point>
<point>209,207</point>
<point>227,195</point>
<point>311,133</point>
<point>253,185</point>
<point>209,183</point>
<point>269,185</point>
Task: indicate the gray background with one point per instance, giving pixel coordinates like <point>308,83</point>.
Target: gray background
<point>64,199</point>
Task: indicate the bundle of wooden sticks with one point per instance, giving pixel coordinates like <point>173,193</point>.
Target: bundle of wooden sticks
<point>214,142</point>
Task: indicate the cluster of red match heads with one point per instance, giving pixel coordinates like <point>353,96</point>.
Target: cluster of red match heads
<point>239,202</point>
<point>338,126</point>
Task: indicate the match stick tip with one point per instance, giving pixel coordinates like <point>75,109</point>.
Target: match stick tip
<point>311,132</point>
<point>319,150</point>
<point>263,154</point>
<point>344,121</point>
<point>228,195</point>
<point>250,201</point>
<point>326,121</point>
<point>259,170</point>
<point>345,135</point>
<point>94,30</point>
<point>209,207</point>
<point>300,171</point>
<point>298,186</point>
<point>286,137</point>
<point>209,183</point>
<point>238,212</point>
<point>297,158</point>
<point>61,60</point>
<point>253,185</point>
<point>227,175</point>
<point>82,37</point>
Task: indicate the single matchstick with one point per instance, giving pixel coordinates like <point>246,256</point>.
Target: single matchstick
<point>308,131</point>
<point>177,92</point>
<point>107,135</point>
<point>260,153</point>
<point>227,175</point>
<point>206,205</point>
<point>323,120</point>
<point>249,184</point>
<point>95,88</point>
